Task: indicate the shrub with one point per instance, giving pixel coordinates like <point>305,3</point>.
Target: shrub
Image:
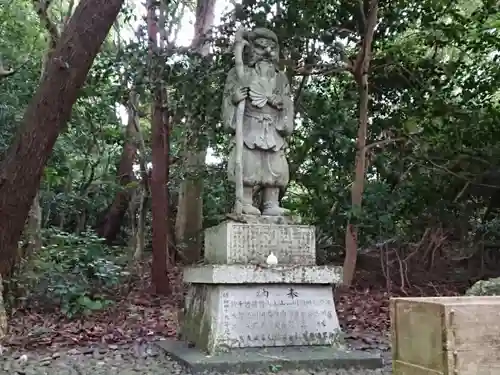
<point>76,273</point>
<point>490,287</point>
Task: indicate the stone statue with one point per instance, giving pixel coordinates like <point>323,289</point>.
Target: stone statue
<point>258,110</point>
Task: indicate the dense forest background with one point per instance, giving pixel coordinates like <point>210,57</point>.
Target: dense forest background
<point>395,157</point>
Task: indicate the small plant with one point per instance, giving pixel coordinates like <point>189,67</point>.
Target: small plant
<point>76,273</point>
<point>275,368</point>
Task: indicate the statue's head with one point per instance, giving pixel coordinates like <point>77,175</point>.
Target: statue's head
<point>263,45</point>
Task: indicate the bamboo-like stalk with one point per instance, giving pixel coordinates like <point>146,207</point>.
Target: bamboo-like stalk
<point>239,45</point>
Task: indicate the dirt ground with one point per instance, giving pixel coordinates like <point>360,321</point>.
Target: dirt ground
<point>138,358</point>
<point>118,341</point>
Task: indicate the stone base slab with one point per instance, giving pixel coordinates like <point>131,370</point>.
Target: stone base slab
<point>269,359</point>
<point>251,243</point>
<point>262,274</point>
<point>222,317</point>
<point>263,219</point>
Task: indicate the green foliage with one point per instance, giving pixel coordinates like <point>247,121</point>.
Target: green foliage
<point>20,49</point>
<point>275,368</point>
<point>78,273</point>
<point>433,135</point>
<point>490,287</point>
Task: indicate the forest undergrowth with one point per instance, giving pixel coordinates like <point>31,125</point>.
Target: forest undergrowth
<point>135,314</point>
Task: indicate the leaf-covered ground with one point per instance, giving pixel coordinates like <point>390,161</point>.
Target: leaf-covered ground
<point>118,340</point>
<point>111,360</point>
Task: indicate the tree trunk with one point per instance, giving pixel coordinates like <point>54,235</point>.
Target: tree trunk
<point>189,220</point>
<point>33,228</point>
<point>112,222</point>
<point>3,313</point>
<point>46,116</point>
<point>34,223</point>
<point>159,197</point>
<point>360,71</point>
<point>160,155</point>
<point>140,197</point>
<point>140,225</point>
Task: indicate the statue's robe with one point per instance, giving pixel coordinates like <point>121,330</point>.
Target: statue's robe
<point>264,129</point>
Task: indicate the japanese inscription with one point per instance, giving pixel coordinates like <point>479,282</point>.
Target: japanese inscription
<point>253,243</point>
<point>292,293</point>
<point>278,316</point>
<point>263,292</point>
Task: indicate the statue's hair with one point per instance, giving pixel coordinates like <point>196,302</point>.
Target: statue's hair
<point>262,32</point>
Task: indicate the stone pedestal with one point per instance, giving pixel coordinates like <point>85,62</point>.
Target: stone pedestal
<point>236,301</point>
<point>259,309</point>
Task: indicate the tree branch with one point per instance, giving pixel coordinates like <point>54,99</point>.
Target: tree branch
<point>71,5</point>
<point>363,59</point>
<point>384,142</point>
<point>298,93</point>
<point>42,8</point>
<point>4,73</point>
<point>362,15</point>
<point>325,69</point>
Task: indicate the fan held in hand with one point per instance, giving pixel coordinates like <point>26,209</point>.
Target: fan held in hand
<point>257,96</point>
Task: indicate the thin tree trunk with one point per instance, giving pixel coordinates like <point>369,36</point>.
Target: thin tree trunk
<point>138,202</point>
<point>360,71</point>
<point>34,227</point>
<point>68,186</point>
<point>132,212</point>
<point>160,155</point>
<point>45,117</point>
<point>34,223</point>
<point>112,222</point>
<point>3,313</point>
<point>140,239</point>
<point>159,197</point>
<point>189,219</point>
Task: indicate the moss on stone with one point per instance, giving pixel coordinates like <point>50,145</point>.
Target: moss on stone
<point>490,287</point>
<point>196,326</point>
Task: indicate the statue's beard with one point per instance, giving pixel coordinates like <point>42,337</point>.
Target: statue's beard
<point>265,67</point>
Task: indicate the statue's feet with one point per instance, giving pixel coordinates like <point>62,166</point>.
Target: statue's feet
<point>249,209</point>
<point>275,210</point>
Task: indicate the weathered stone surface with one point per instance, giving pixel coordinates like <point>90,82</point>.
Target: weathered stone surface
<point>256,274</point>
<point>257,107</point>
<point>467,326</point>
<point>257,360</point>
<point>262,219</point>
<point>251,243</point>
<point>221,317</point>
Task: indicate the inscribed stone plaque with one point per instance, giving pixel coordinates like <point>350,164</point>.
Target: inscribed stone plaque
<point>277,315</point>
<point>231,242</point>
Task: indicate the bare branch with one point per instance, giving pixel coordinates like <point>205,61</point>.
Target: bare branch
<point>362,15</point>
<point>384,142</point>
<point>298,93</point>
<point>71,6</point>
<point>324,69</point>
<point>363,59</point>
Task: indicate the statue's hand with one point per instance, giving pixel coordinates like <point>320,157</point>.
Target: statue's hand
<point>276,101</point>
<point>241,93</point>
